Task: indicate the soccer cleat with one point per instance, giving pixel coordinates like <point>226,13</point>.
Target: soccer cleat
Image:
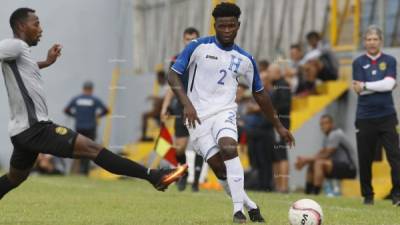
<point>255,215</point>
<point>396,201</point>
<point>165,177</point>
<point>368,200</point>
<point>239,217</point>
<point>195,187</point>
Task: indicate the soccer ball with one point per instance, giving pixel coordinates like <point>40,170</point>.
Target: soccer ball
<point>305,212</point>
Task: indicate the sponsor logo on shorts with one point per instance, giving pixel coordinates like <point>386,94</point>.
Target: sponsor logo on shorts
<point>61,130</point>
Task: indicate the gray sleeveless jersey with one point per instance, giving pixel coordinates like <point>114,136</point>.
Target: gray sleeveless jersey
<point>24,85</point>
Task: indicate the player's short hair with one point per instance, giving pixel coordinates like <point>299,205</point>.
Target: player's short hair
<point>374,29</point>
<point>313,34</point>
<point>226,9</point>
<point>18,16</point>
<point>296,46</point>
<point>191,30</point>
<point>327,116</point>
<point>264,63</point>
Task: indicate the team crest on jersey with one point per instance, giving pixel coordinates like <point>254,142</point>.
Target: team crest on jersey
<point>382,66</point>
<point>61,130</point>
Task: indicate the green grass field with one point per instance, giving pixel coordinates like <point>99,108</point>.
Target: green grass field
<point>78,200</point>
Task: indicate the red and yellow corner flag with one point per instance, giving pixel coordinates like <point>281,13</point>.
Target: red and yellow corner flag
<point>164,146</point>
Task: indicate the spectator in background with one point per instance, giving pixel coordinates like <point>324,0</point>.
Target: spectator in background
<point>374,75</point>
<point>263,65</point>
<point>281,99</point>
<point>296,56</point>
<point>157,101</point>
<point>261,139</point>
<point>85,109</point>
<point>293,72</point>
<point>171,106</point>
<point>242,101</point>
<point>309,81</point>
<point>326,61</point>
<point>333,160</point>
<point>49,165</point>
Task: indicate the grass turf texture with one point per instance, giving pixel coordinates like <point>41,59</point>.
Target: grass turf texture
<point>78,200</point>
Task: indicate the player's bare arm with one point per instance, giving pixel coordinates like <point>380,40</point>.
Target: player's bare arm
<point>52,55</point>
<point>189,112</point>
<point>167,101</point>
<point>265,104</point>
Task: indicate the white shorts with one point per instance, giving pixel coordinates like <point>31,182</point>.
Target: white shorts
<point>205,137</point>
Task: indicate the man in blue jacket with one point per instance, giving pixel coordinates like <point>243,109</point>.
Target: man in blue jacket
<point>85,109</point>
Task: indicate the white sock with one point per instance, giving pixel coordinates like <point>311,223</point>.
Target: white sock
<point>235,178</point>
<point>248,203</point>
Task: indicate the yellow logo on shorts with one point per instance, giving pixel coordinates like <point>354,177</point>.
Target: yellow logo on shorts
<point>382,66</point>
<point>61,130</point>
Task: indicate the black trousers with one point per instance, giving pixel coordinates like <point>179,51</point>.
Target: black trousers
<point>261,144</point>
<point>370,131</point>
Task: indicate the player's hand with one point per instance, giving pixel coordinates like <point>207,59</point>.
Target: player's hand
<point>190,116</point>
<point>286,135</point>
<point>164,115</point>
<point>358,86</point>
<point>53,53</point>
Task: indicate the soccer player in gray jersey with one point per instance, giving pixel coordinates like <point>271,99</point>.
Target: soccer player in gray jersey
<point>31,130</point>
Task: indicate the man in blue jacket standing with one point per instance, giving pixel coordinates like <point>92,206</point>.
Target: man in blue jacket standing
<point>85,109</point>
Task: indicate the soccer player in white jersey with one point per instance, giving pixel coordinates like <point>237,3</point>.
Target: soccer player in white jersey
<point>214,65</point>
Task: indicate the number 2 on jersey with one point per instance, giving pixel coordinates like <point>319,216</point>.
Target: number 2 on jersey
<point>221,81</point>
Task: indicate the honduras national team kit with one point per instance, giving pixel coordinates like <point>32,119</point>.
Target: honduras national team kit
<point>214,72</point>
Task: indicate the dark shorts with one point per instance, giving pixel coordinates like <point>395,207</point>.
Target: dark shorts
<point>180,128</point>
<point>42,137</point>
<point>279,152</point>
<point>89,133</point>
<point>342,170</point>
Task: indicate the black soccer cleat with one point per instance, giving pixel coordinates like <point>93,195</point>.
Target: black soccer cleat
<point>164,177</point>
<point>396,201</point>
<point>195,187</point>
<point>255,215</point>
<point>368,200</point>
<point>239,217</point>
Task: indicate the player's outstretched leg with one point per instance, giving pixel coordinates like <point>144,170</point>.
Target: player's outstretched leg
<point>160,179</point>
<point>217,164</point>
<point>12,180</point>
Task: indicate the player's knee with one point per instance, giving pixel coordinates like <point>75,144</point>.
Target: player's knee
<point>228,149</point>
<point>86,148</point>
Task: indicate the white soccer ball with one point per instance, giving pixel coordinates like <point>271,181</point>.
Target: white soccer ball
<point>305,212</point>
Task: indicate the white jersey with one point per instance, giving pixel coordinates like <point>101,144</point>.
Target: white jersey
<point>24,85</point>
<point>213,73</point>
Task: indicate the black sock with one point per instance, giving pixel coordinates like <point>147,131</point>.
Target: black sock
<point>5,186</point>
<point>121,166</point>
<point>317,190</point>
<point>181,158</point>
<point>198,165</point>
<point>309,188</point>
